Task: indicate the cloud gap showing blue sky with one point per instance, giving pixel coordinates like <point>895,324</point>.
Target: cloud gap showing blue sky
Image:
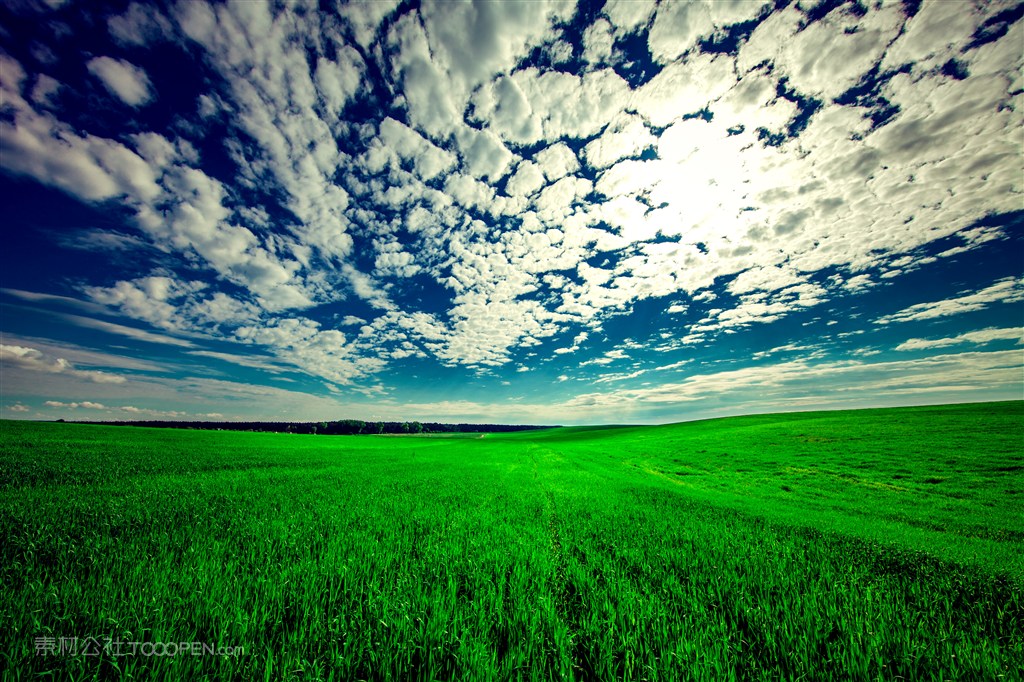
<point>544,212</point>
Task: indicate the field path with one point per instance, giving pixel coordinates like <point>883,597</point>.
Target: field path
<point>564,592</point>
<point>551,511</point>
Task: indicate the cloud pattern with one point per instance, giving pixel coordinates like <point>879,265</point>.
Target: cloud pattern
<point>488,186</point>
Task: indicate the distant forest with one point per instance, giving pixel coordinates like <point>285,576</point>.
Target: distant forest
<point>344,427</point>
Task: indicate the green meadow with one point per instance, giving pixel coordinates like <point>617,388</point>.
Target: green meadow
<point>859,545</point>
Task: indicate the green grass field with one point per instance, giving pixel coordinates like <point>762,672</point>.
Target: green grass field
<point>862,545</point>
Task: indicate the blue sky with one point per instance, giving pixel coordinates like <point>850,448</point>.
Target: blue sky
<point>523,212</point>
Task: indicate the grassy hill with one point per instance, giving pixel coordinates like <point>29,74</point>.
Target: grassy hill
<point>947,480</point>
<point>870,544</point>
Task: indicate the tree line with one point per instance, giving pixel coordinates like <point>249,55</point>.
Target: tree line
<point>343,427</point>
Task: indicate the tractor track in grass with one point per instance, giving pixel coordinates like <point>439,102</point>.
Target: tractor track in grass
<point>568,602</point>
<point>554,535</point>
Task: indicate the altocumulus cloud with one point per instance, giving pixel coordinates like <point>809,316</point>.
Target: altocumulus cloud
<point>34,360</point>
<point>123,79</point>
<point>506,196</point>
<point>89,405</point>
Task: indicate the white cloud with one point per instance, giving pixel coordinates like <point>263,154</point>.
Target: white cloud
<point>159,414</point>
<point>366,18</point>
<point>399,140</point>
<point>505,108</point>
<point>610,377</point>
<point>786,348</point>
<point>678,25</point>
<point>424,85</point>
<point>97,169</point>
<point>148,298</point>
<point>45,89</point>
<point>104,240</point>
<point>86,404</point>
<point>754,103</point>
<point>122,330</point>
<point>770,278</point>
<point>830,56</point>
<point>628,15</point>
<point>684,88</point>
<point>980,337</point>
<point>527,179</point>
<point>625,138</point>
<point>447,50</point>
<point>1007,290</point>
<point>766,40</point>
<point>826,383</point>
<point>263,58</point>
<point>32,359</point>
<point>80,356</point>
<point>221,310</point>
<point>393,260</point>
<point>89,167</point>
<point>93,323</point>
<point>555,202</point>
<point>598,42</point>
<point>39,297</point>
<point>319,352</point>
<point>858,282</point>
<point>249,360</point>
<point>123,79</point>
<point>556,161</point>
<point>139,25</point>
<point>469,192</point>
<point>484,155</point>
<point>534,105</point>
<point>473,42</point>
<point>674,365</point>
<point>12,75</point>
<point>994,57</point>
<point>937,31</point>
<point>173,305</point>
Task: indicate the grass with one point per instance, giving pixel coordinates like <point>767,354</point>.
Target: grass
<point>865,545</point>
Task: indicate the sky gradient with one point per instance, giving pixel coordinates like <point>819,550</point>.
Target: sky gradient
<point>520,212</point>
